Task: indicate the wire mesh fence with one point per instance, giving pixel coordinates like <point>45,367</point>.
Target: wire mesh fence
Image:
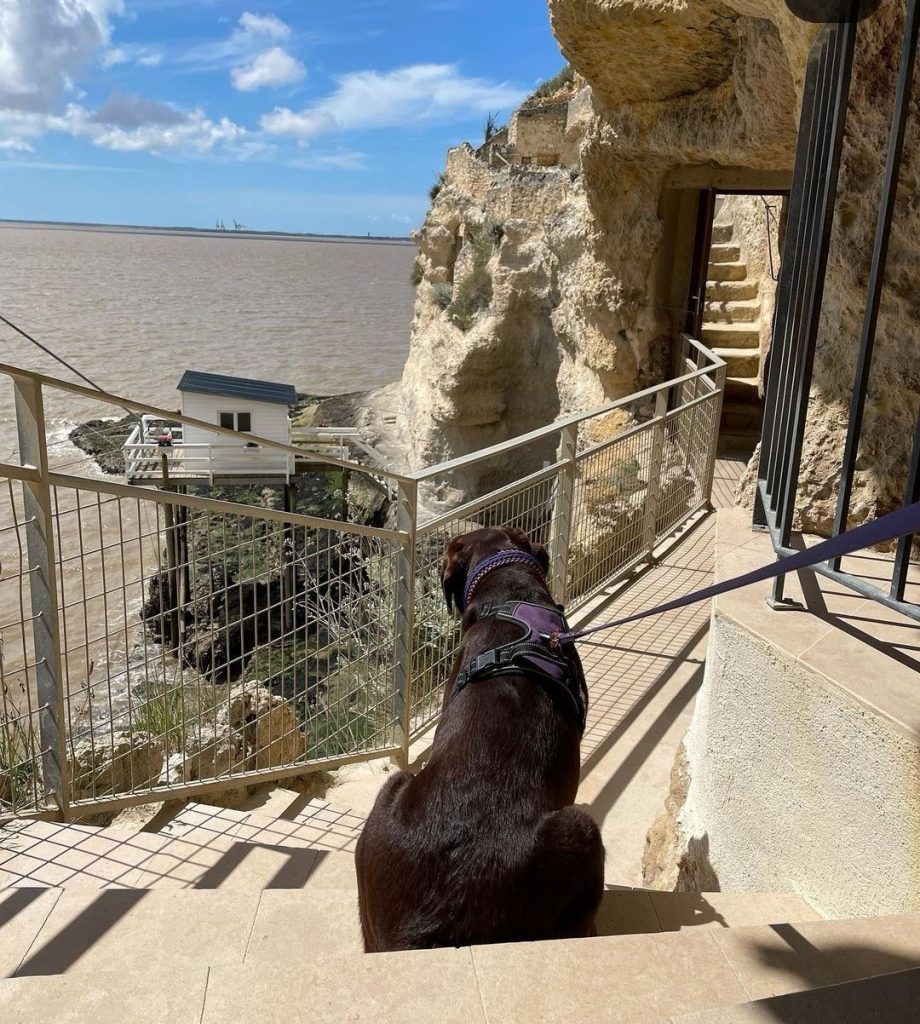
<point>156,642</point>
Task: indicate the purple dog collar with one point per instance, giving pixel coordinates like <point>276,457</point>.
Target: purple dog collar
<point>513,556</point>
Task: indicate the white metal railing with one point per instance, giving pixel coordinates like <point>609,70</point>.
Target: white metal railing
<point>162,644</point>
<point>147,459</point>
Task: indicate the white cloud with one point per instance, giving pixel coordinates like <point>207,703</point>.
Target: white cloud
<point>339,160</point>
<point>264,25</point>
<point>143,55</point>
<point>45,45</point>
<point>271,68</point>
<point>132,124</point>
<point>14,146</point>
<point>373,99</point>
<point>124,110</point>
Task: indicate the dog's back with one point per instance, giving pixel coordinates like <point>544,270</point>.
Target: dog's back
<point>481,848</point>
<point>483,844</point>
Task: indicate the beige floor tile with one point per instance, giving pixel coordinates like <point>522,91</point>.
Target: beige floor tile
<point>788,958</point>
<point>159,994</point>
<point>886,999</point>
<point>23,913</point>
<point>430,987</point>
<point>319,834</point>
<point>678,910</point>
<point>190,863</point>
<point>626,912</point>
<point>316,921</point>
<point>635,979</point>
<point>887,676</point>
<point>86,932</point>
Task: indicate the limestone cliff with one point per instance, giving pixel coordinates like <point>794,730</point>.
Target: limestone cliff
<point>548,289</point>
<point>545,290</point>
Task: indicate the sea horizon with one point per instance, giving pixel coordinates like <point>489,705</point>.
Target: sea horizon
<point>186,230</point>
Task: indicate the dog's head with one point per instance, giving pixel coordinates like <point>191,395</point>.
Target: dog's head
<point>465,552</point>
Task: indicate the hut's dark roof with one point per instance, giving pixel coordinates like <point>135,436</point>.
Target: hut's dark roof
<point>238,387</point>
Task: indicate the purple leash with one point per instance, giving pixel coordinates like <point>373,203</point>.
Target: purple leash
<point>901,523</point>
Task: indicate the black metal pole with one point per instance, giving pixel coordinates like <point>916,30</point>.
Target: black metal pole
<point>879,263</point>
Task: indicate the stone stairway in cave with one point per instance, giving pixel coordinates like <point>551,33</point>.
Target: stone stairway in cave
<point>731,328</point>
<point>209,915</point>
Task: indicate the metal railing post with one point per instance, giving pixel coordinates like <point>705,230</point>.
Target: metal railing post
<point>718,402</point>
<point>43,587</point>
<point>404,625</point>
<point>653,492</point>
<point>562,522</point>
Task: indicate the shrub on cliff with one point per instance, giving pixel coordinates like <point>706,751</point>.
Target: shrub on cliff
<point>417,275</point>
<point>474,292</point>
<point>442,294</point>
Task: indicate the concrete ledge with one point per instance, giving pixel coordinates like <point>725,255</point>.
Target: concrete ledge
<point>804,751</point>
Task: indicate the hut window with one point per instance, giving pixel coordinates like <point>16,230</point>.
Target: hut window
<point>241,421</point>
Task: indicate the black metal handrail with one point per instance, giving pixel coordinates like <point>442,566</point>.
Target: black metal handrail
<point>801,294</point>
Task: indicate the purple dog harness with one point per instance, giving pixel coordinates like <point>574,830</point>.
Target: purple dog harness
<point>531,655</point>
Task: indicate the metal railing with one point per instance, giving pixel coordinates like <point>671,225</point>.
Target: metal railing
<point>800,298</point>
<point>159,644</point>
<point>148,460</point>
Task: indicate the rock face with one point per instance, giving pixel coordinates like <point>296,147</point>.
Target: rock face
<point>894,385</point>
<point>251,730</point>
<point>114,764</point>
<point>573,304</point>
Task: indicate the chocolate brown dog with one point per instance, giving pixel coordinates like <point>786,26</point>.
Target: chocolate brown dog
<point>483,844</point>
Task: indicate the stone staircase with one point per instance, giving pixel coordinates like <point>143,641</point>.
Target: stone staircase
<point>211,915</point>
<point>731,328</point>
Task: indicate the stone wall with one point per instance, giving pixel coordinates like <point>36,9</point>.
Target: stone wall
<point>797,774</point>
<point>537,133</point>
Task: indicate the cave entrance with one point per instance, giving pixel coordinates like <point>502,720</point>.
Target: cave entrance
<point>735,269</point>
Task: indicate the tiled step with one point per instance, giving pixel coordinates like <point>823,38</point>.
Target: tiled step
<point>731,291</point>
<point>884,997</point>
<point>722,233</point>
<point>724,252</point>
<point>743,335</point>
<point>728,271</point>
<point>55,931</point>
<point>271,974</point>
<point>200,847</point>
<point>732,312</point>
<point>272,954</point>
<point>740,362</point>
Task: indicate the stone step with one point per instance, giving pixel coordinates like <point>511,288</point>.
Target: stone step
<point>889,997</point>
<point>199,847</point>
<point>742,390</point>
<point>731,291</point>
<point>732,312</point>
<point>722,233</point>
<point>58,931</point>
<point>740,362</point>
<point>738,444</point>
<point>724,253</point>
<point>743,335</point>
<point>728,271</point>
<point>175,956</point>
<point>741,416</point>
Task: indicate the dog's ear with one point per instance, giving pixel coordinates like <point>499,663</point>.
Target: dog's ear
<point>542,556</point>
<point>520,540</point>
<point>454,567</point>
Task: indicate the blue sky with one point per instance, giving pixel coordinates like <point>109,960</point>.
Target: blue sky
<point>296,115</point>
